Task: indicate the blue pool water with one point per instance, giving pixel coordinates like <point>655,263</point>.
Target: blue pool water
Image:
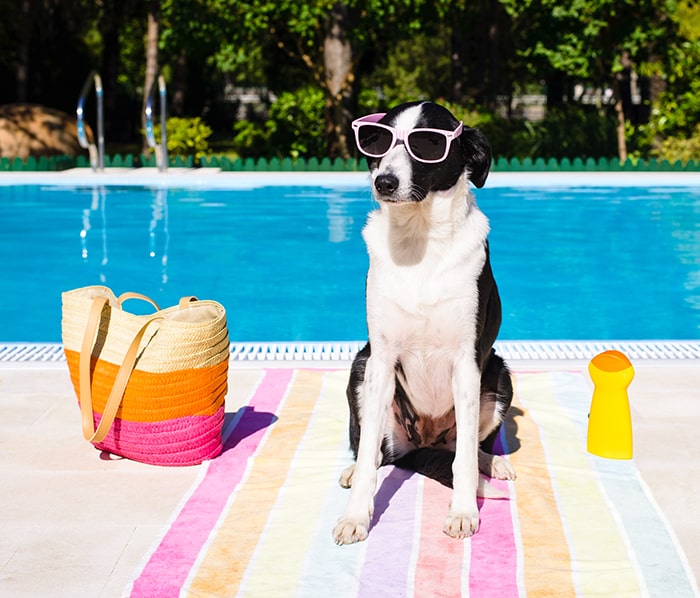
<point>289,263</point>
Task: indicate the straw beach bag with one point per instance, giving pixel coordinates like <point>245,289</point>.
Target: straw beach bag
<point>151,388</point>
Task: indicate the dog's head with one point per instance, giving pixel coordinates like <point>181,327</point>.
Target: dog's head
<point>420,147</point>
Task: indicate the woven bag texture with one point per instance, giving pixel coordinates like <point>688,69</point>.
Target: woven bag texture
<point>172,410</point>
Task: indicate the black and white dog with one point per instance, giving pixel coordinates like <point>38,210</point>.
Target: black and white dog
<point>427,392</point>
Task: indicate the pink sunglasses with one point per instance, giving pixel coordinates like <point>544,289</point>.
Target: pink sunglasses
<point>425,145</point>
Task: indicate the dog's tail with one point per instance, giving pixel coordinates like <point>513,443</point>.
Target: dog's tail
<point>436,464</point>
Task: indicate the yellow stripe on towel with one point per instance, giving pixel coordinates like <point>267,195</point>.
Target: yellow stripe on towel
<point>226,559</point>
<point>597,545</point>
<point>287,540</point>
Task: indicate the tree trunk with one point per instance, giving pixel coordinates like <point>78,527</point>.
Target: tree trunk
<point>656,85</point>
<point>339,76</point>
<point>621,141</point>
<point>151,61</point>
<point>623,104</point>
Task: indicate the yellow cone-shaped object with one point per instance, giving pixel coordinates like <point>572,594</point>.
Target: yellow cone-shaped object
<point>610,422</point>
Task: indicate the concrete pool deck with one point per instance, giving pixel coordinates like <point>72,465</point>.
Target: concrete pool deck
<point>74,524</point>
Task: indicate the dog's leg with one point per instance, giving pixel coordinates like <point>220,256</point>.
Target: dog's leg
<point>463,517</point>
<point>496,397</point>
<point>376,394</point>
<point>490,418</point>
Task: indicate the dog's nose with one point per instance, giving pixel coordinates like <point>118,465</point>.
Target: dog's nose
<point>386,184</point>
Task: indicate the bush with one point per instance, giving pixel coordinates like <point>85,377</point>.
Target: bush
<point>680,148</point>
<point>295,127</point>
<point>186,136</point>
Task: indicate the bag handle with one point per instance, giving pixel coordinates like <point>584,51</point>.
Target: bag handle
<point>129,295</point>
<point>122,378</point>
<point>185,301</point>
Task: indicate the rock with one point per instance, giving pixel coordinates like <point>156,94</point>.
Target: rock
<point>34,130</point>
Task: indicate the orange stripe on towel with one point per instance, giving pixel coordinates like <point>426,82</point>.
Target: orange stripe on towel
<point>152,397</point>
<point>546,557</point>
<point>226,559</point>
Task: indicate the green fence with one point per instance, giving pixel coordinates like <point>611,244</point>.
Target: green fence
<point>57,163</point>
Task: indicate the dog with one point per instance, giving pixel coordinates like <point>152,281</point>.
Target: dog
<point>427,392</point>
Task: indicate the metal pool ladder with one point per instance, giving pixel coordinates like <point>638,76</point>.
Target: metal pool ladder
<point>97,154</point>
<point>161,150</point>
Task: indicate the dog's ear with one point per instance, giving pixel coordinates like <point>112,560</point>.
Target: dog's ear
<point>476,151</point>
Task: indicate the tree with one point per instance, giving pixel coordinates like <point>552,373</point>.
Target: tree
<point>594,42</point>
<point>315,35</point>
<point>322,42</point>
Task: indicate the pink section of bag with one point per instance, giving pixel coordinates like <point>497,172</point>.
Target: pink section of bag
<point>181,441</point>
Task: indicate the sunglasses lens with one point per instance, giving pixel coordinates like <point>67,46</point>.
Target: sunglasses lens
<point>427,145</point>
<point>374,141</point>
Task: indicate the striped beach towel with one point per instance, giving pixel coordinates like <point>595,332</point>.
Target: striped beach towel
<point>258,520</point>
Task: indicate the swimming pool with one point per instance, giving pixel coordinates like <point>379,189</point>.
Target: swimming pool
<point>285,255</point>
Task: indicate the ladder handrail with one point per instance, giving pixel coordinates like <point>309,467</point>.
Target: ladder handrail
<point>97,154</point>
<point>162,150</point>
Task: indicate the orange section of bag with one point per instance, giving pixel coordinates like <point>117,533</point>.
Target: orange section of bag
<point>151,397</point>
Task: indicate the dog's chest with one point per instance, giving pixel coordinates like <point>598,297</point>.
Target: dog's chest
<point>423,312</point>
<point>429,304</point>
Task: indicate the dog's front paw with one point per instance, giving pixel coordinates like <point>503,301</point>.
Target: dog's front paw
<point>495,466</point>
<point>502,469</point>
<point>350,531</point>
<point>346,476</point>
<point>461,525</point>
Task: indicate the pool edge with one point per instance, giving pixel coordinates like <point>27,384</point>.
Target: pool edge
<point>337,352</point>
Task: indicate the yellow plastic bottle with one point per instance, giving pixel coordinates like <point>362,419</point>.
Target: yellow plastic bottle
<point>610,421</point>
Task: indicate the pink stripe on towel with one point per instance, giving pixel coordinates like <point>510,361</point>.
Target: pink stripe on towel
<point>494,552</point>
<point>170,564</point>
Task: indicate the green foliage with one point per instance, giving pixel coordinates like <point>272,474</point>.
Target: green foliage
<point>678,107</point>
<point>500,132</point>
<point>402,75</point>
<point>680,148</point>
<point>689,19</point>
<point>401,50</point>
<point>676,112</point>
<point>574,131</point>
<point>295,127</point>
<point>369,99</point>
<point>583,39</point>
<point>186,136</point>
<point>570,131</point>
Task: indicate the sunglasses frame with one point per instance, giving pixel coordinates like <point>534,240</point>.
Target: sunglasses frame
<point>402,135</point>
